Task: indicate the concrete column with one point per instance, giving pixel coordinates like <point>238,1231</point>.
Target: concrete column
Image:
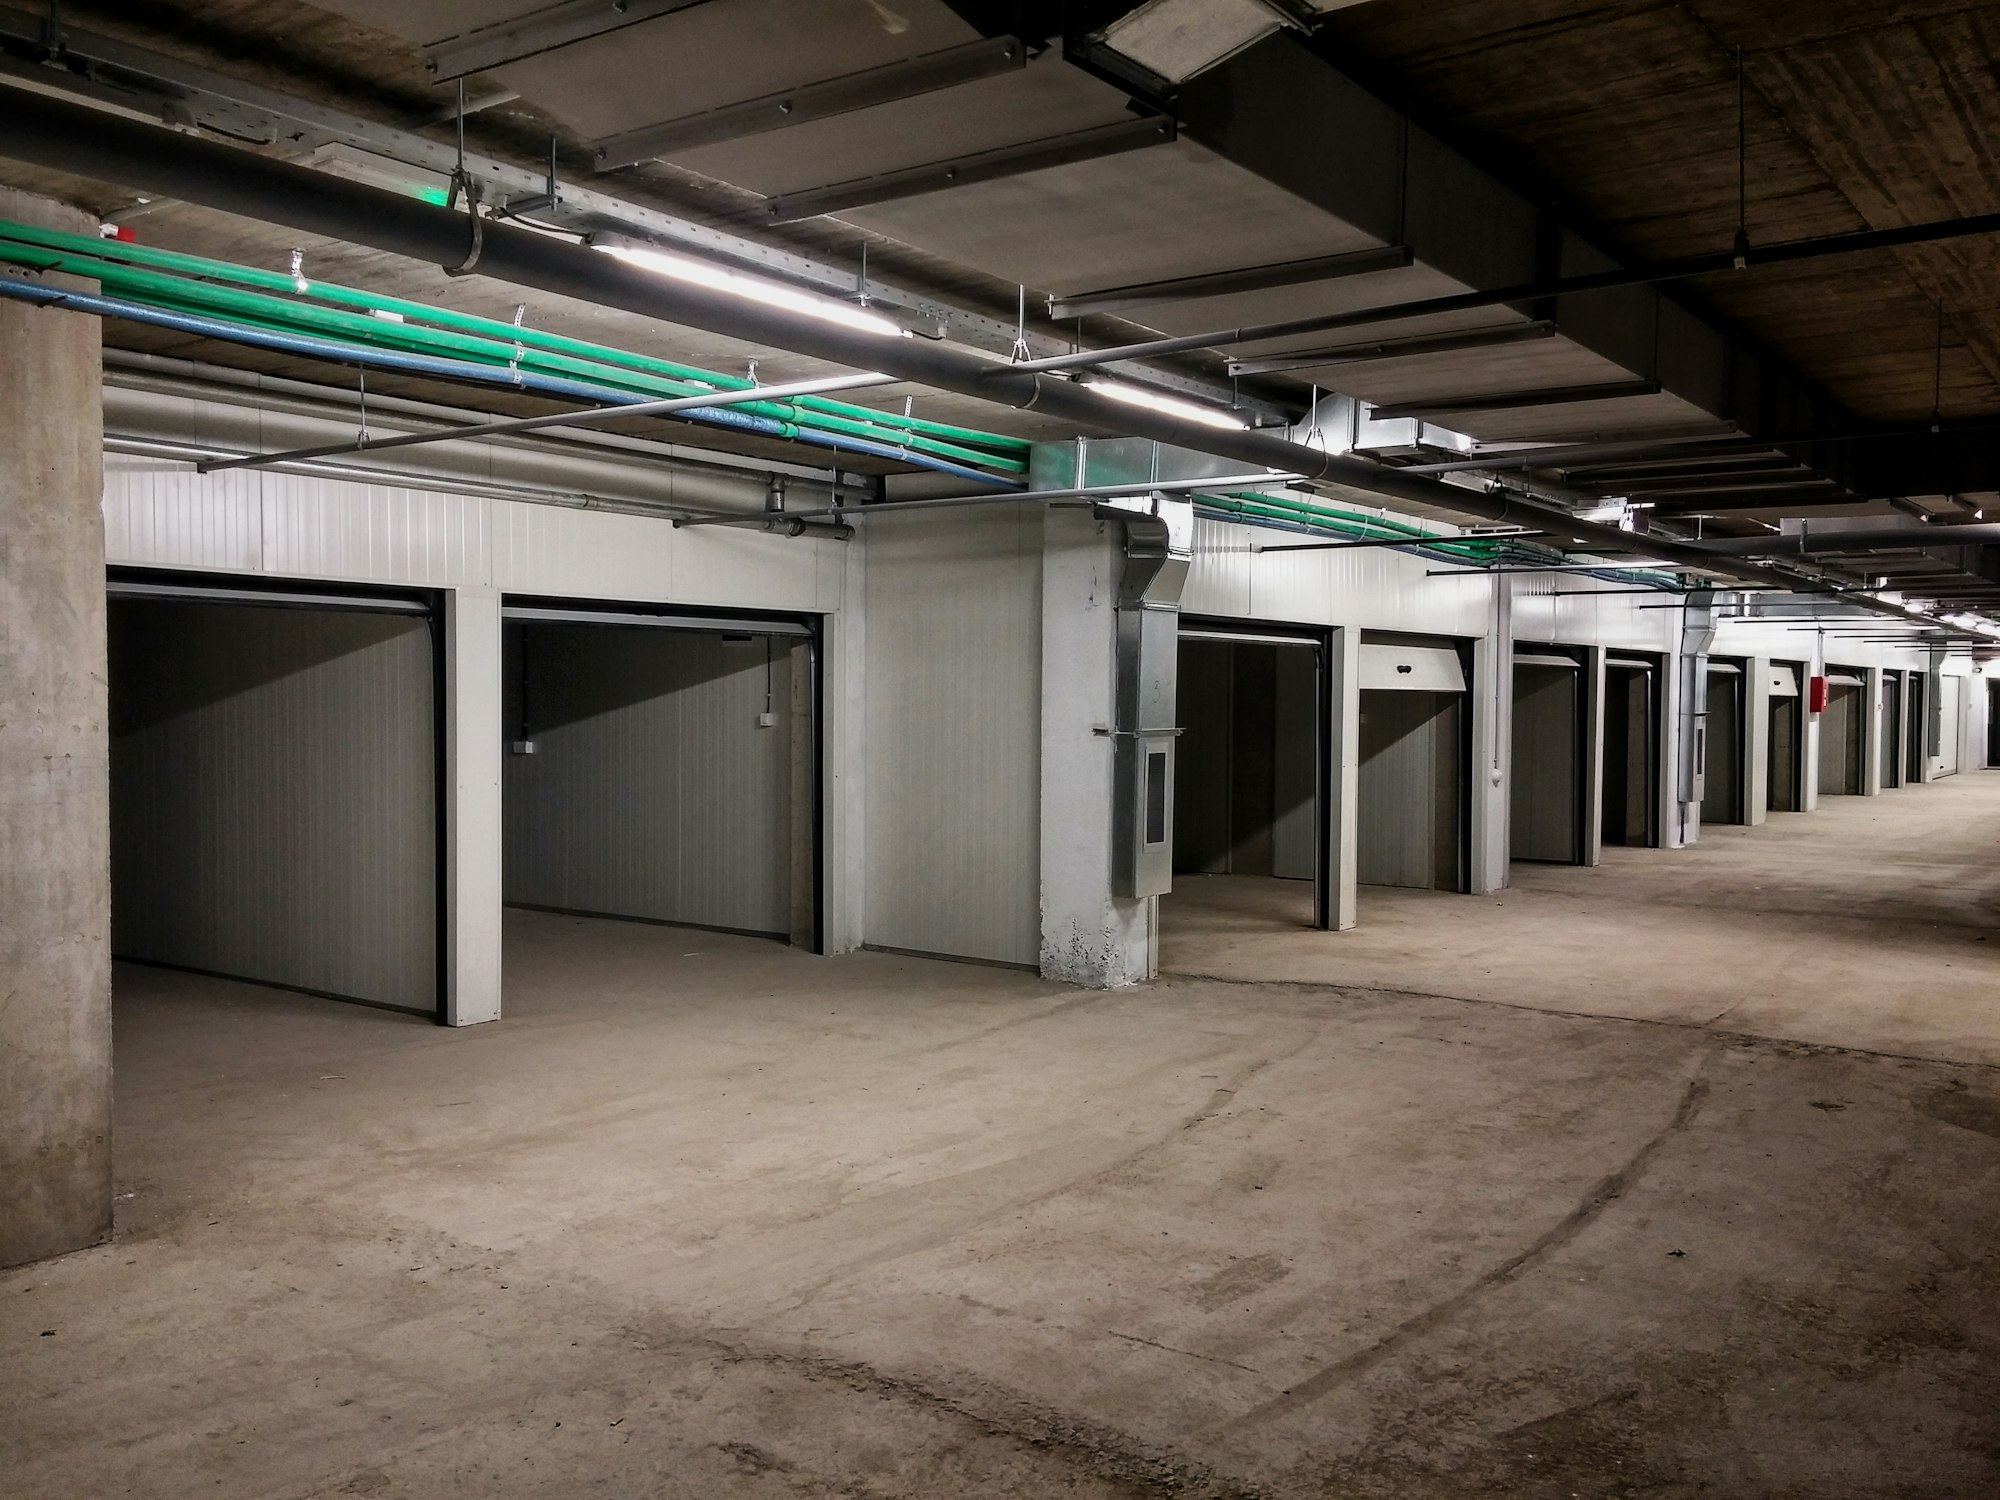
<point>1593,740</point>
<point>843,660</point>
<point>1089,937</point>
<point>1757,742</point>
<point>55,813</point>
<point>1809,729</point>
<point>1680,822</point>
<point>474,752</point>
<point>1343,776</point>
<point>1492,732</point>
<point>1871,719</point>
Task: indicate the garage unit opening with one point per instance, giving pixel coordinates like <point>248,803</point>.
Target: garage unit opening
<point>662,768</point>
<point>1247,785</point>
<point>1890,728</point>
<point>1549,791</point>
<point>1634,709</point>
<point>275,787</point>
<point>1916,726</point>
<point>1785,752</point>
<point>1843,728</point>
<point>1950,725</point>
<point>1723,745</point>
<point>1416,755</point>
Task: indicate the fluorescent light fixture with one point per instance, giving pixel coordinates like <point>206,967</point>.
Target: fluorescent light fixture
<point>1173,406</point>
<point>776,294</point>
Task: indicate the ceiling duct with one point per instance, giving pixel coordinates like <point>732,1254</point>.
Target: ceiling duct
<point>1175,40</point>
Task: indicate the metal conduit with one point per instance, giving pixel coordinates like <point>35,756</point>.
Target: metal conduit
<point>1854,539</point>
<point>66,137</point>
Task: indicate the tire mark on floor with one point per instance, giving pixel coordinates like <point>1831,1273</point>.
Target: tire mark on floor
<point>1593,1203</point>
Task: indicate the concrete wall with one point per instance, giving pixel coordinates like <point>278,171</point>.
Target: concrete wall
<point>273,796</point>
<point>55,1022</point>
<point>653,789</point>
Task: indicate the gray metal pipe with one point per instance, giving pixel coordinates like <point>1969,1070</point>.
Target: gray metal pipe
<point>68,137</point>
<point>91,143</point>
<point>1853,539</point>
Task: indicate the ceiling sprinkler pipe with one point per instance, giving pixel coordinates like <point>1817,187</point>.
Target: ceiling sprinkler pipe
<point>449,369</point>
<point>68,137</point>
<point>169,263</point>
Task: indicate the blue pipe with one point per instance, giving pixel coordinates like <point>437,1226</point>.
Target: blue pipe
<point>458,369</point>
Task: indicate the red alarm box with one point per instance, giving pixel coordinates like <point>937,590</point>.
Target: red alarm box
<point>1816,695</point>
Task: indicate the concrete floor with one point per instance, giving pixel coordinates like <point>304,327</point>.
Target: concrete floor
<point>1873,922</point>
<point>712,1217</point>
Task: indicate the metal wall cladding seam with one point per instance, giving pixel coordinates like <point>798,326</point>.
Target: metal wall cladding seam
<point>653,791</point>
<point>953,688</point>
<point>274,796</point>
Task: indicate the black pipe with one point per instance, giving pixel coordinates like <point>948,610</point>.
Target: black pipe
<point>1853,539</point>
<point>1655,274</point>
<point>91,143</point>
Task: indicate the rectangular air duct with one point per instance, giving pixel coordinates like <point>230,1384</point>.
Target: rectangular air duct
<point>1159,545</point>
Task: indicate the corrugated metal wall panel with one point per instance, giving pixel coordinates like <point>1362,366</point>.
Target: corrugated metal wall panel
<point>273,796</point>
<point>333,528</point>
<point>1552,608</point>
<point>1375,589</point>
<point>953,672</point>
<point>162,514</point>
<point>652,792</point>
<point>544,549</point>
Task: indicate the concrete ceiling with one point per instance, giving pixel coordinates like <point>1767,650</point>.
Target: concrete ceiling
<point>1447,127</point>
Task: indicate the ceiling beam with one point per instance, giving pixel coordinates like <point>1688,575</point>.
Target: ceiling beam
<point>984,166</point>
<point>540,31</point>
<point>1562,395</point>
<point>1404,348</point>
<point>1229,283</point>
<point>1528,292</point>
<point>907,79</point>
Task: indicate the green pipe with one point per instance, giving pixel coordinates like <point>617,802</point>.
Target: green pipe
<point>118,252</point>
<point>289,316</point>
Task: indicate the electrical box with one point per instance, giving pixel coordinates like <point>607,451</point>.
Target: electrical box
<point>1816,694</point>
